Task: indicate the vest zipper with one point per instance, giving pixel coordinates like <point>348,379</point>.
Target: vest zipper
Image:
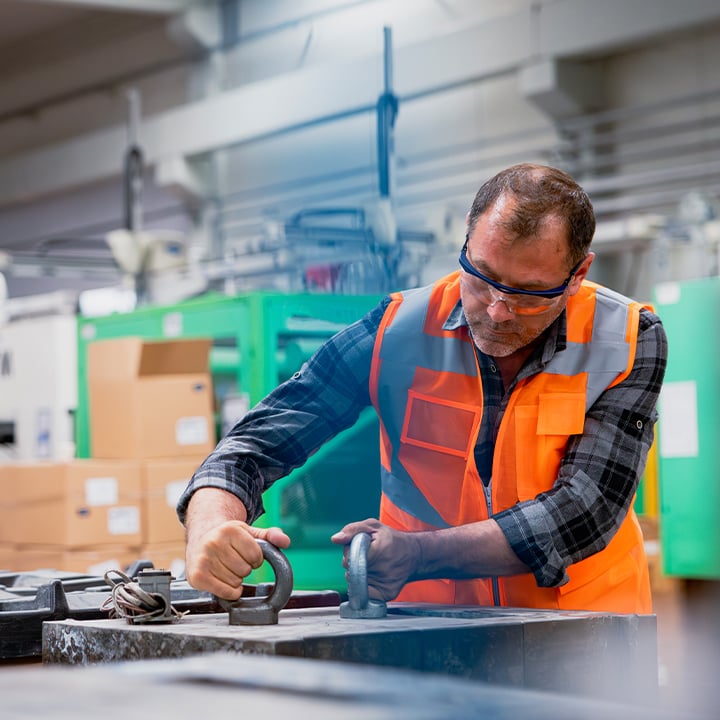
<point>487,489</point>
<point>493,578</point>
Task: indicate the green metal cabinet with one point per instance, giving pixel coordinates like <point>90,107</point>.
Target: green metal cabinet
<point>259,340</point>
<point>689,429</point>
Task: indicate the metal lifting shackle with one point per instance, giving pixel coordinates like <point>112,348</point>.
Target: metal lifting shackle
<point>359,604</point>
<point>264,610</point>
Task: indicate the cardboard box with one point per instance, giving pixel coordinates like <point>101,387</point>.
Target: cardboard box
<point>85,561</point>
<point>7,556</point>
<point>163,482</point>
<point>7,504</point>
<point>150,399</point>
<point>77,504</point>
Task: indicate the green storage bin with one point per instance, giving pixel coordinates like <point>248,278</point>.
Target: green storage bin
<point>689,429</point>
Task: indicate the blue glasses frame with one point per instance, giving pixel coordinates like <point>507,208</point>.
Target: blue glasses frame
<point>469,268</point>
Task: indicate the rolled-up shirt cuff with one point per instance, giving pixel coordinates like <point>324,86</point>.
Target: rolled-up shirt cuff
<point>519,525</point>
<point>203,479</point>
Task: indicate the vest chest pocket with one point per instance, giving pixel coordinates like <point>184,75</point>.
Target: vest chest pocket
<point>441,425</point>
<point>541,436</point>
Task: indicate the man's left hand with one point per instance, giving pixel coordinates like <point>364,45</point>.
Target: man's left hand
<point>393,558</point>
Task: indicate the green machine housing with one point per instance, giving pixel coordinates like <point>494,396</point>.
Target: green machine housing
<point>689,429</point>
<point>259,340</point>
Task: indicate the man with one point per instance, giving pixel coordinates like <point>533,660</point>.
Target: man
<point>516,403</point>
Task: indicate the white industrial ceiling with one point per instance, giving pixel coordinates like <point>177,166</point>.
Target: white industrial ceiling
<point>52,51</point>
<point>287,116</point>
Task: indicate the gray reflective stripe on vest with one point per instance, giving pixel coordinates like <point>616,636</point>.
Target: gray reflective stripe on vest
<point>402,491</point>
<point>406,343</point>
<point>399,352</point>
<point>607,353</point>
<point>404,348</point>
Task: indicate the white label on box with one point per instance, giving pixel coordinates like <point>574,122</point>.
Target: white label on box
<point>101,491</point>
<point>124,520</point>
<point>191,430</point>
<point>173,491</point>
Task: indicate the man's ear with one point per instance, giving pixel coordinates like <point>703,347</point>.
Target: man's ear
<point>581,273</point>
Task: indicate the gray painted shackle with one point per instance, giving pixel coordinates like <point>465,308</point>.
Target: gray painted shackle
<point>264,609</point>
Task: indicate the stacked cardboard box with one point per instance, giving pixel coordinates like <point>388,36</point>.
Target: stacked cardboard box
<point>150,399</point>
<point>71,515</point>
<point>152,424</point>
<point>86,515</point>
<point>7,554</point>
<point>7,547</point>
<point>153,401</point>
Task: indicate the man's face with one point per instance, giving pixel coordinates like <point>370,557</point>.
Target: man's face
<point>504,323</point>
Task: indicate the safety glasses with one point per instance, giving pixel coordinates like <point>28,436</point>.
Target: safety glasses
<point>528,302</point>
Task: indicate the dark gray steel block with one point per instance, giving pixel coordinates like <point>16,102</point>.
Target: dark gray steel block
<point>582,653</point>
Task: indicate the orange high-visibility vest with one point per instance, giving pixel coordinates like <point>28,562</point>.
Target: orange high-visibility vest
<point>426,388</point>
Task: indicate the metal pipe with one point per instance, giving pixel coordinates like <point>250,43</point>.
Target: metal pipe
<point>387,108</point>
<point>133,176</point>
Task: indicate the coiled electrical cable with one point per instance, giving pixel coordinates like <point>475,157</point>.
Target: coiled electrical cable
<point>130,601</point>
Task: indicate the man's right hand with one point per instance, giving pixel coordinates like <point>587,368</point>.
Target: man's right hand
<point>221,548</point>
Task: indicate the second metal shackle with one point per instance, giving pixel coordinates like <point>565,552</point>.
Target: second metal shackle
<point>359,603</point>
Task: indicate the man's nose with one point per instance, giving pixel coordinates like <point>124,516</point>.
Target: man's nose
<point>499,310</point>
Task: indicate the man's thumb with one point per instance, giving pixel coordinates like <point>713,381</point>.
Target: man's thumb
<point>273,535</point>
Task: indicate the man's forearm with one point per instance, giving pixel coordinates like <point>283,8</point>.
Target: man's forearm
<point>209,507</point>
<point>468,551</point>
